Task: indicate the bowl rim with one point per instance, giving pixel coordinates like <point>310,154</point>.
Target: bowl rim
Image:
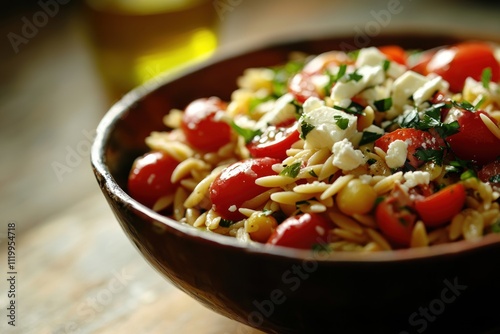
<point>118,194</point>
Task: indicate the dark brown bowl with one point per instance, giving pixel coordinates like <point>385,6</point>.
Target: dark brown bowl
<point>451,288</point>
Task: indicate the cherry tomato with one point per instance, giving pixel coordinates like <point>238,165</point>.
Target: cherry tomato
<point>274,142</point>
<point>203,126</point>
<point>394,53</point>
<point>488,171</point>
<point>302,87</point>
<point>236,185</point>
<point>439,208</point>
<point>149,178</point>
<point>396,219</point>
<point>414,138</point>
<point>303,231</point>
<point>474,141</point>
<point>468,59</point>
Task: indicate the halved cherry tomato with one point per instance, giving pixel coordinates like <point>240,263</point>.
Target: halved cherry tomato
<point>394,53</point>
<point>415,140</point>
<point>203,126</point>
<point>274,142</point>
<point>303,231</point>
<point>236,185</point>
<point>488,171</point>
<point>395,217</point>
<point>474,141</point>
<point>149,178</point>
<point>439,208</point>
<point>468,59</point>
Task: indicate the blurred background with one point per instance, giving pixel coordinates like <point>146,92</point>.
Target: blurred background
<point>63,63</point>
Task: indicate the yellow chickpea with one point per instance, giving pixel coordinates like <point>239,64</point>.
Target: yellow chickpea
<point>260,226</point>
<point>356,198</point>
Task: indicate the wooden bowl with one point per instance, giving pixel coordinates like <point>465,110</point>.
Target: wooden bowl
<point>443,289</point>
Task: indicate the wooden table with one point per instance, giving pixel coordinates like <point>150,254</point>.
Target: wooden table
<point>75,271</point>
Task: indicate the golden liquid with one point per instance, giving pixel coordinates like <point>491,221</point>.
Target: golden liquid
<point>137,40</point>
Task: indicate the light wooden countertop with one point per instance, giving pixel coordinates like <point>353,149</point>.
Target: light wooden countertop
<point>76,272</point>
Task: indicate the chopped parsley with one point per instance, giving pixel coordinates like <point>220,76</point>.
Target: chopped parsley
<point>291,170</point>
<point>368,137</point>
<point>353,108</point>
<point>313,173</point>
<point>226,222</point>
<point>354,76</point>
<point>494,179</point>
<point>429,118</point>
<point>386,64</point>
<point>426,155</point>
<point>464,105</point>
<point>383,104</point>
<point>468,174</point>
<point>333,78</point>
<point>486,78</point>
<point>247,134</point>
<point>305,128</point>
<point>341,122</point>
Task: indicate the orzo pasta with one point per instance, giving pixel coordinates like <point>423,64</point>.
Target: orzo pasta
<point>378,149</point>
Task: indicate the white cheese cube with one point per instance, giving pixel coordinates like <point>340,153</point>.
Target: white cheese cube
<point>312,103</point>
<point>405,86</point>
<point>282,110</point>
<point>395,70</point>
<point>370,57</point>
<point>323,128</point>
<point>370,76</point>
<point>426,91</point>
<point>345,156</point>
<point>396,154</point>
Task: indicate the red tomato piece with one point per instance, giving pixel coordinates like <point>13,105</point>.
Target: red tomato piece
<point>414,138</point>
<point>203,125</point>
<point>274,142</point>
<point>394,53</point>
<point>488,171</point>
<point>301,232</point>
<point>468,59</point>
<point>236,185</point>
<point>396,219</point>
<point>439,208</point>
<point>149,178</point>
<point>302,87</point>
<point>474,141</point>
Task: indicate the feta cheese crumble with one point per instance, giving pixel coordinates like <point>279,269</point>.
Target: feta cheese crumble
<point>345,156</point>
<point>396,154</point>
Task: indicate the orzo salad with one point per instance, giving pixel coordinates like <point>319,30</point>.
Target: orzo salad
<point>377,149</point>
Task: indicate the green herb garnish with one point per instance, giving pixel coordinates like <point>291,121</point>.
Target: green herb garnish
<point>426,155</point>
<point>341,122</point>
<point>386,64</point>
<point>467,175</point>
<point>368,137</point>
<point>291,170</point>
<point>494,179</point>
<point>486,78</point>
<point>226,222</point>
<point>353,108</point>
<point>247,134</point>
<point>305,128</point>
<point>383,104</point>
